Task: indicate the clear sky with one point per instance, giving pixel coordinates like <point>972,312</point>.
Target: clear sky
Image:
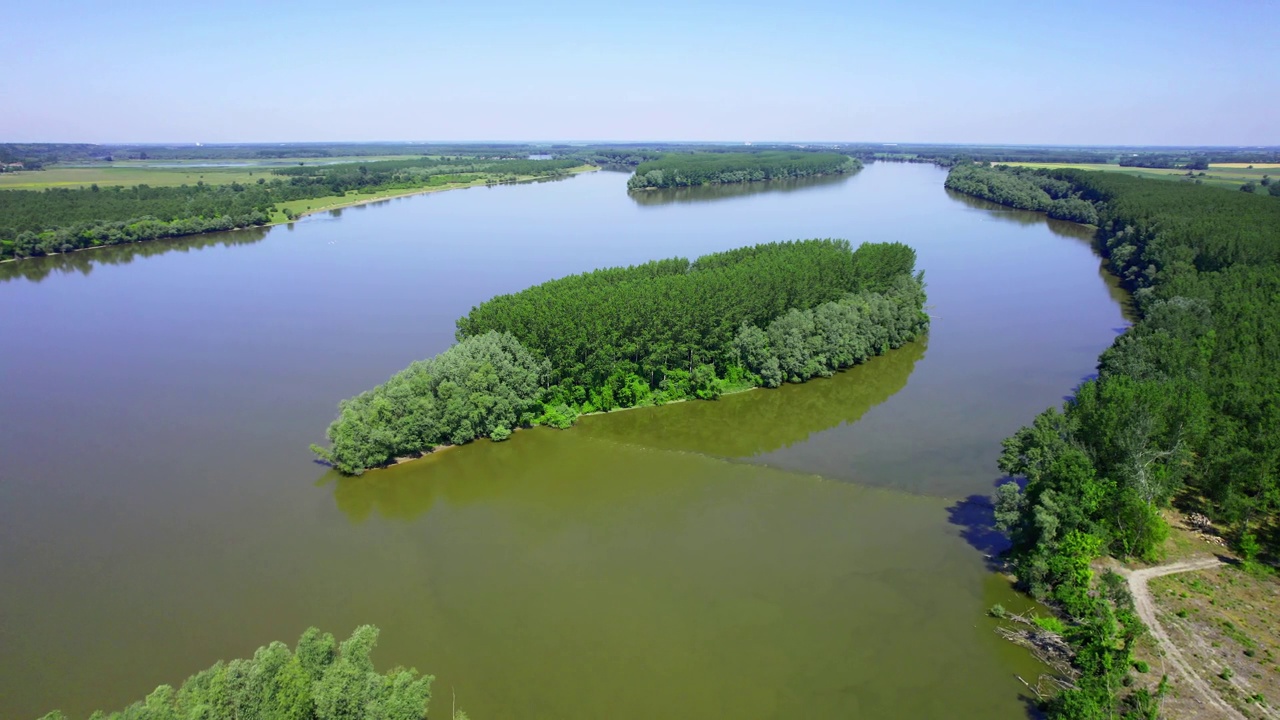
<point>1076,72</point>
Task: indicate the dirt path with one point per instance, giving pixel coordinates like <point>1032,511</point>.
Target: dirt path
<point>1146,608</point>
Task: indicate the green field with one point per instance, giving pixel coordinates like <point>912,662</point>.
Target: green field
<point>1226,175</point>
<point>74,177</point>
<point>145,172</point>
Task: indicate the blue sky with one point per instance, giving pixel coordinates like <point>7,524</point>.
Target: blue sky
<point>983,72</point>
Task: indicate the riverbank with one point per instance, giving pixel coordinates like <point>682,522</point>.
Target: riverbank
<point>449,446</point>
<point>302,208</point>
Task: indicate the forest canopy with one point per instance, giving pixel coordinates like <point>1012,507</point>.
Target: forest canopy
<point>648,334</point>
<point>1185,407</point>
<point>704,168</point>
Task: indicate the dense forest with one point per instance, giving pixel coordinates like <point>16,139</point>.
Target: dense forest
<point>43,222</point>
<point>1023,188</point>
<point>650,334</point>
<point>1185,407</point>
<point>686,170</point>
<point>320,679</point>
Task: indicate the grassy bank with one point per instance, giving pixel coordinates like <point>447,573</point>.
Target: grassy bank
<point>333,202</point>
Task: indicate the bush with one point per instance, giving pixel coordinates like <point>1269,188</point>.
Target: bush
<point>468,391</point>
<point>1141,666</point>
<point>560,417</point>
<point>500,433</point>
<point>1049,623</point>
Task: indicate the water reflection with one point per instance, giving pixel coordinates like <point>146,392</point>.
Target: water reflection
<point>84,261</point>
<point>742,425</point>
<point>747,424</point>
<point>1061,228</point>
<point>703,193</point>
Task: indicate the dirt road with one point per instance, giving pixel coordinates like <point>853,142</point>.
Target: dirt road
<point>1209,698</point>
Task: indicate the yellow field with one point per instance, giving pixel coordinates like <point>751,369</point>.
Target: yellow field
<point>1256,166</point>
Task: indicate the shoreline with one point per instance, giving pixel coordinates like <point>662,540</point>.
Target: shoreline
<point>449,446</point>
<point>740,182</point>
<point>355,201</point>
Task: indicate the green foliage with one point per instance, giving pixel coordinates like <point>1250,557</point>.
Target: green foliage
<point>1049,623</point>
<point>660,332</point>
<point>1141,666</point>
<point>560,416</point>
<point>609,333</point>
<point>484,382</point>
<point>1023,188</point>
<point>1248,546</point>
<point>35,223</point>
<point>1189,396</point>
<point>703,168</point>
<point>318,681</point>
<point>802,344</point>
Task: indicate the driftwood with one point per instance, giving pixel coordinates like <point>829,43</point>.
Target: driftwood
<point>1048,647</point>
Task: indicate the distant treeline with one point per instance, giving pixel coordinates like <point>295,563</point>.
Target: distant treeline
<point>34,155</point>
<point>320,679</point>
<point>1185,407</point>
<point>1192,158</point>
<point>643,335</point>
<point>687,170</point>
<point>43,222</point>
<point>1198,162</point>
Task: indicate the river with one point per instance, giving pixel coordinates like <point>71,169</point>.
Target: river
<point>814,551</point>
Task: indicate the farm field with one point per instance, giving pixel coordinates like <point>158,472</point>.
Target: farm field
<point>170,173</point>
<point>1224,174</point>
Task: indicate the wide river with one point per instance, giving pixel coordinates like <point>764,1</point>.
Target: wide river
<point>815,551</point>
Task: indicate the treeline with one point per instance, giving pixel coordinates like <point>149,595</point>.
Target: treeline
<point>320,679</point>
<point>1186,407</point>
<point>1196,162</point>
<point>1023,188</point>
<point>681,170</point>
<point>650,334</point>
<point>43,222</point>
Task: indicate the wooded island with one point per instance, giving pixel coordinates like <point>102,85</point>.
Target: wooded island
<point>649,334</point>
<point>707,168</point>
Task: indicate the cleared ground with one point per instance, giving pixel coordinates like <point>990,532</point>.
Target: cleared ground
<point>1224,625</point>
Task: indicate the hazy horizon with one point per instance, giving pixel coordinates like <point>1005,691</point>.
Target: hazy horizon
<point>1093,73</point>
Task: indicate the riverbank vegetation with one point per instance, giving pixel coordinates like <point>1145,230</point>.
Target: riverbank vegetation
<point>319,679</point>
<point>707,168</point>
<point>35,223</point>
<point>1185,407</point>
<point>649,334</point>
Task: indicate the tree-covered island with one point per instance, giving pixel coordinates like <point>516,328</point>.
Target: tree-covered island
<point>707,168</point>
<point>649,334</point>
